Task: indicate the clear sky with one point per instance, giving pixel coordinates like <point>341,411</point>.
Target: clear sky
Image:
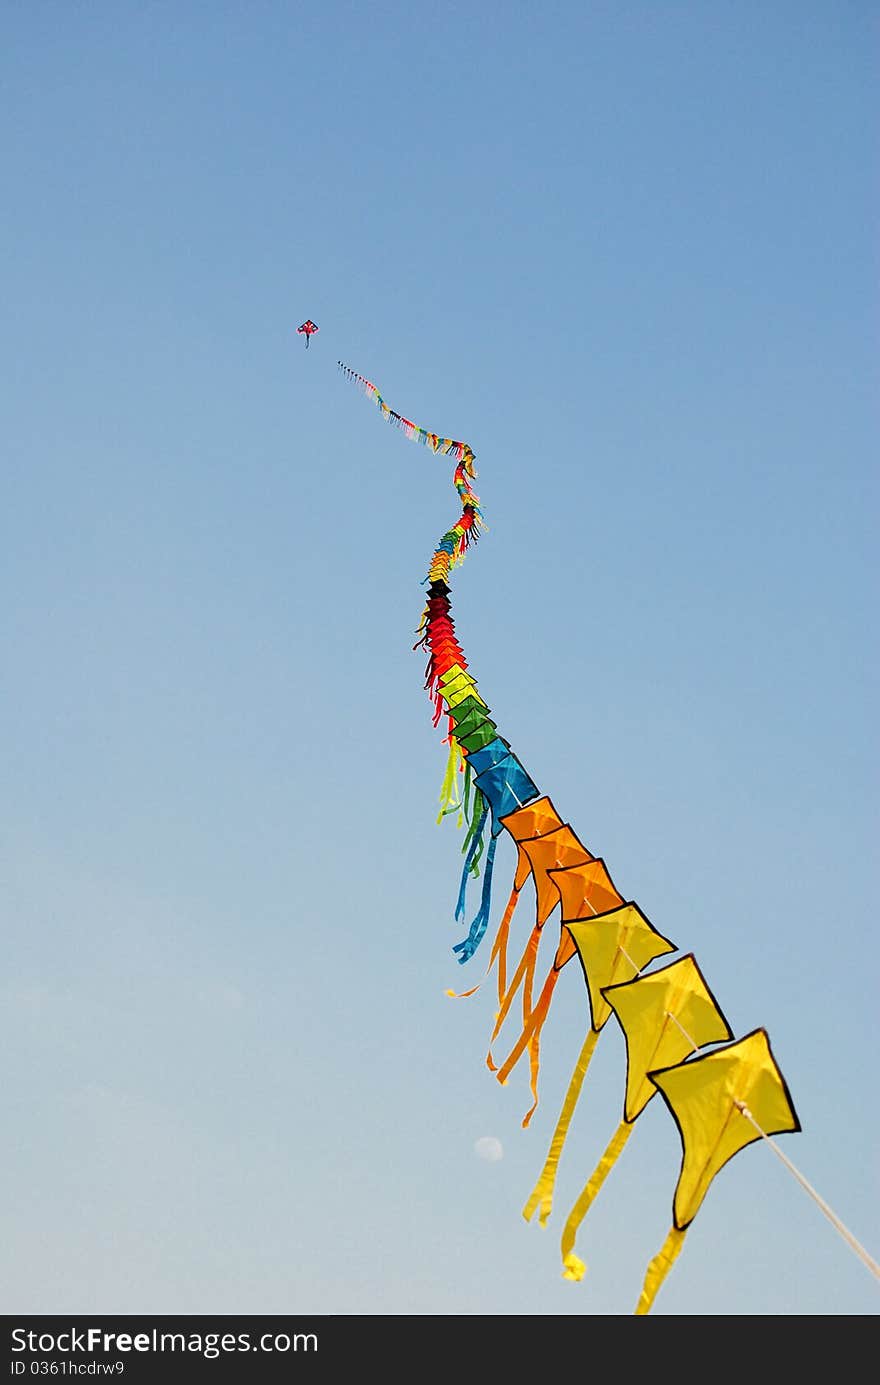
<point>627,251</point>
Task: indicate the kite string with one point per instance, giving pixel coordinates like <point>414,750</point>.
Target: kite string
<point>847,1235</point>
<point>677,1022</point>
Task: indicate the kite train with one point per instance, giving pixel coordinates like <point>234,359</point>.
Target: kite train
<point>723,1092</point>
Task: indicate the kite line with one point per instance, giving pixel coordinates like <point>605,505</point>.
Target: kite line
<point>724,1093</point>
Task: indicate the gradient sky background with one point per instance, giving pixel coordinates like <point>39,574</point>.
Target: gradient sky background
<point>628,251</point>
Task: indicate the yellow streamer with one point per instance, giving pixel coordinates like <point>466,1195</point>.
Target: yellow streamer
<point>530,1038</point>
<point>658,1270</point>
<point>582,1206</point>
<point>449,800</point>
<point>542,1193</point>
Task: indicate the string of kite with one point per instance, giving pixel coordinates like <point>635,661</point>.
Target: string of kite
<point>723,1092</point>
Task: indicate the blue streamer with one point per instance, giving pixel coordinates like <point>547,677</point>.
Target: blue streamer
<point>468,947</point>
<point>476,842</point>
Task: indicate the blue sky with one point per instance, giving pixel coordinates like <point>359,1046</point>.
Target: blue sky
<point>628,252</point>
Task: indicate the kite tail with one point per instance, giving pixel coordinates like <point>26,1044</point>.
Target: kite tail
<point>450,798</point>
<point>472,817</point>
<point>530,1039</point>
<point>658,1270</point>
<point>499,953</point>
<point>573,1268</point>
<point>499,947</point>
<point>480,922</point>
<point>523,976</point>
<point>473,846</point>
<point>542,1194</point>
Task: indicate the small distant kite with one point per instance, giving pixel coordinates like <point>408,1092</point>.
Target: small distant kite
<point>308,327</point>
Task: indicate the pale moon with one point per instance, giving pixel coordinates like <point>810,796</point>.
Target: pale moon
<point>488,1148</point>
